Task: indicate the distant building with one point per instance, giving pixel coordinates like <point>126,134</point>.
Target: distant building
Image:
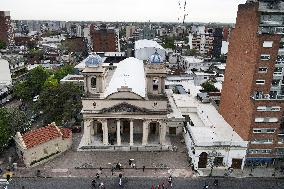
<point>144,49</point>
<point>6,30</point>
<point>252,100</point>
<point>104,39</point>
<point>40,145</point>
<point>217,42</point>
<point>129,31</point>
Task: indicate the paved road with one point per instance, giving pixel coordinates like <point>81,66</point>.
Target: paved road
<point>146,183</point>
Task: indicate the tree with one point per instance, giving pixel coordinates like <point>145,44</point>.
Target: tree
<point>51,82</point>
<point>63,71</point>
<point>5,131</point>
<point>60,104</point>
<point>3,45</point>
<point>11,121</point>
<point>208,86</point>
<point>33,85</point>
<point>169,42</point>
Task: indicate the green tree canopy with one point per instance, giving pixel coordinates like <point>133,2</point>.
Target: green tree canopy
<point>33,84</point>
<point>61,103</point>
<point>51,82</point>
<point>169,42</point>
<point>208,86</point>
<point>5,130</point>
<point>11,121</point>
<point>63,71</point>
<point>3,45</point>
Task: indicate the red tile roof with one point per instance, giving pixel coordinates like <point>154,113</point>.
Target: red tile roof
<point>67,133</point>
<point>41,135</point>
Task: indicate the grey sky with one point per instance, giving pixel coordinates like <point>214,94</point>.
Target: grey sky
<point>122,10</point>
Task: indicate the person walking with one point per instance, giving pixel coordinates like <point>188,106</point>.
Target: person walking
<point>163,186</point>
<point>143,168</point>
<point>170,181</point>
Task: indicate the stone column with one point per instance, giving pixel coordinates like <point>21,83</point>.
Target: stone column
<point>163,84</point>
<point>159,85</point>
<point>87,131</point>
<point>163,131</point>
<point>118,132</point>
<point>131,133</point>
<point>105,131</point>
<point>145,133</point>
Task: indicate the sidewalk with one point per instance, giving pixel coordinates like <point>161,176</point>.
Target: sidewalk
<point>247,172</point>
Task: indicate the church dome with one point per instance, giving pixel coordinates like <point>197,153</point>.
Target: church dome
<point>93,60</point>
<point>156,58</point>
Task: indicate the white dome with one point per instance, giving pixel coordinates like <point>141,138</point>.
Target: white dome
<point>93,60</point>
<point>156,58</point>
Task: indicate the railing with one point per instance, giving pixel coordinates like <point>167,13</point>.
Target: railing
<point>267,97</point>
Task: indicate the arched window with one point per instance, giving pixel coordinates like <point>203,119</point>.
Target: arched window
<point>155,84</point>
<point>94,82</point>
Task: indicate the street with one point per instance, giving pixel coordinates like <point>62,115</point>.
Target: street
<point>145,183</point>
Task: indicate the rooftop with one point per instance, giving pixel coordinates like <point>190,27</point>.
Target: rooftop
<point>129,73</point>
<point>41,135</point>
<point>140,44</point>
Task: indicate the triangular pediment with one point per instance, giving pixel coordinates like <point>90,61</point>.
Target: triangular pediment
<point>124,108</point>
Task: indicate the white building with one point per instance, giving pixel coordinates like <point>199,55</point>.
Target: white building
<point>125,106</point>
<point>210,140</point>
<point>5,73</point>
<point>191,62</point>
<point>40,145</point>
<point>145,48</point>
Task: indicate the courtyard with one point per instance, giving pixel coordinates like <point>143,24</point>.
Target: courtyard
<point>75,163</point>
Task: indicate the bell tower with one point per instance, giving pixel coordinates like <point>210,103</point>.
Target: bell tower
<point>155,75</point>
<point>94,75</point>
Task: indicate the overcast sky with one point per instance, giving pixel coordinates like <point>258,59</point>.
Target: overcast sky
<point>122,10</point>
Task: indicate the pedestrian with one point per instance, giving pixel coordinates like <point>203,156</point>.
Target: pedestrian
<point>170,181</point>
<point>98,175</point>
<point>101,185</point>
<point>163,186</point>
<point>94,183</point>
<point>130,162</point>
<point>159,187</point>
<point>153,187</point>
<point>143,168</point>
<point>216,182</point>
<point>206,186</point>
<point>120,182</point>
<point>112,171</point>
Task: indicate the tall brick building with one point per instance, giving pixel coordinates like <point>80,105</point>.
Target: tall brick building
<point>104,39</point>
<point>252,100</point>
<point>6,31</point>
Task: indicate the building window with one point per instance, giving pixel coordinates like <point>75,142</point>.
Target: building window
<point>260,82</point>
<point>275,82</point>
<point>267,44</point>
<point>94,82</point>
<point>262,70</point>
<point>155,84</point>
<point>264,130</point>
<point>262,141</point>
<point>266,119</point>
<point>278,70</point>
<point>265,57</point>
<point>259,151</point>
<point>268,108</point>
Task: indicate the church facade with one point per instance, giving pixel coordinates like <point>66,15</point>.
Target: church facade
<point>125,107</point>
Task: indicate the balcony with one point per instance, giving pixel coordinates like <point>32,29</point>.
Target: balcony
<point>267,97</point>
<point>270,30</point>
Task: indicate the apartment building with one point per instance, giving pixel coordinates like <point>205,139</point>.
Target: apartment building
<point>6,30</point>
<point>252,100</point>
<point>104,39</point>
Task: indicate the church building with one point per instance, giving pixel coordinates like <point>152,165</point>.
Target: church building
<point>125,106</point>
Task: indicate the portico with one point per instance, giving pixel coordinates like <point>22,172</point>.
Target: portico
<point>124,132</point>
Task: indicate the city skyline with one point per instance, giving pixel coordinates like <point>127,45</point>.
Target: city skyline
<point>225,11</point>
